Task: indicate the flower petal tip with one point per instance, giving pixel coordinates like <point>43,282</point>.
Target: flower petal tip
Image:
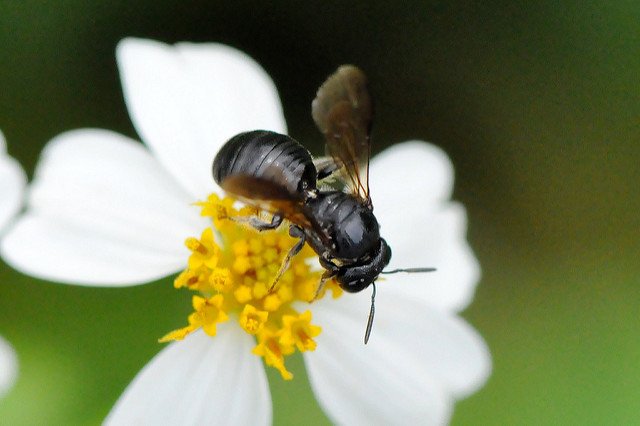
<point>417,160</point>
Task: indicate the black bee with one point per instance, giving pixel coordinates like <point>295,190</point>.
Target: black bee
<point>277,174</point>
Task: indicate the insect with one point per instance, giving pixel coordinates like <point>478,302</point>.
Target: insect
<point>277,174</point>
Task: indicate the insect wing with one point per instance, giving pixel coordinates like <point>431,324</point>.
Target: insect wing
<point>266,195</point>
<point>343,112</point>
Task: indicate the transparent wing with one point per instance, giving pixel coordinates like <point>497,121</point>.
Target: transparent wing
<point>331,176</point>
<point>266,195</point>
<point>343,112</point>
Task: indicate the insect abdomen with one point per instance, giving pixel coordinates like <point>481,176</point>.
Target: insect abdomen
<point>267,156</point>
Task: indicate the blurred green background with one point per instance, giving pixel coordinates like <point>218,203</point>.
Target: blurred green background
<point>538,106</point>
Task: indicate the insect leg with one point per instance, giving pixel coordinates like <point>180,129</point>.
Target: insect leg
<point>323,281</point>
<point>296,232</point>
<point>330,270</point>
<point>258,224</point>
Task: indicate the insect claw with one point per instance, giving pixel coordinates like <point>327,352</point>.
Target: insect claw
<point>321,285</point>
<point>319,290</point>
<point>294,231</point>
<point>273,286</point>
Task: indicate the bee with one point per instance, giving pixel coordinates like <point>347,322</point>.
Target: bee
<point>277,174</point>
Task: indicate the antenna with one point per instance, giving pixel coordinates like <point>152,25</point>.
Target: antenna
<point>371,314</point>
<point>411,270</point>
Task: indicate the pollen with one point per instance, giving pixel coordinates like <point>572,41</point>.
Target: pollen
<point>231,267</point>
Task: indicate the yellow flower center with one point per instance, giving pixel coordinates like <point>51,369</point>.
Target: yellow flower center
<point>233,268</point>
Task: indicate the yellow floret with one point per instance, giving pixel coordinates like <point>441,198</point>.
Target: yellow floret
<point>297,330</point>
<point>273,352</point>
<point>235,276</point>
<point>252,320</point>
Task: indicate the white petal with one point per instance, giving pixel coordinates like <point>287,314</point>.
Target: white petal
<point>187,100</point>
<point>410,185</point>
<point>8,366</point>
<point>102,211</point>
<point>12,183</point>
<point>410,172</point>
<point>199,381</point>
<point>417,362</point>
<point>432,238</point>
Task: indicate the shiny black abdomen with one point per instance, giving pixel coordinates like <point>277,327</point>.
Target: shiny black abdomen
<point>275,158</point>
<point>344,225</point>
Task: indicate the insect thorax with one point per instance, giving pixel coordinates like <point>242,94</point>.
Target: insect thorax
<point>345,226</point>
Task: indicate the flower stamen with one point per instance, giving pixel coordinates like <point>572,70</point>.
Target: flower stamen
<point>231,266</point>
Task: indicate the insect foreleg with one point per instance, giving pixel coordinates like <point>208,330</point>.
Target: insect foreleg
<point>331,269</point>
<point>296,232</point>
<point>323,281</point>
<point>258,224</point>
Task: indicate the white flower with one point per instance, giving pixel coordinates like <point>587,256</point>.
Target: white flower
<point>12,183</point>
<point>104,210</point>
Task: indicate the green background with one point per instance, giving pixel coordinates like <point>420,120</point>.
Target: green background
<point>537,105</point>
